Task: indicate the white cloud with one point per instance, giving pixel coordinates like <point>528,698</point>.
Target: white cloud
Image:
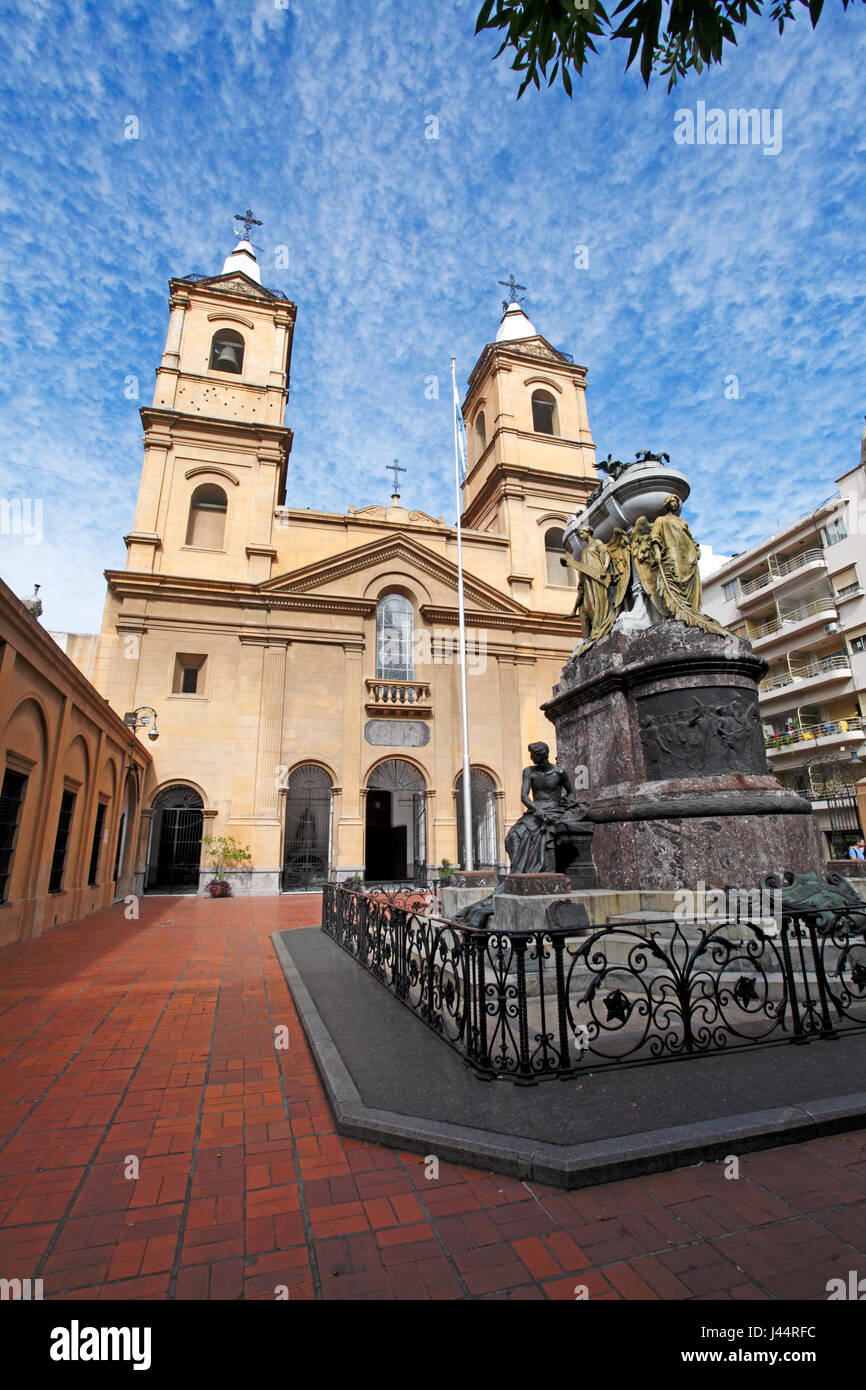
<point>705,263</point>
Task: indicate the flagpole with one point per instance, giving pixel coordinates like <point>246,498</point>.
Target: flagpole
<point>467,784</point>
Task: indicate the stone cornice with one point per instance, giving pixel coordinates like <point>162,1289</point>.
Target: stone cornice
<point>163,588</point>
<point>505,477</point>
<point>174,422</point>
<point>553,623</point>
<point>24,634</point>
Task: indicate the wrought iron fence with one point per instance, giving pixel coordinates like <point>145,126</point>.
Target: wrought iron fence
<point>537,1004</point>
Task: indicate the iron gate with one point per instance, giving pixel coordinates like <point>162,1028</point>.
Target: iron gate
<point>306,849</point>
<point>175,854</point>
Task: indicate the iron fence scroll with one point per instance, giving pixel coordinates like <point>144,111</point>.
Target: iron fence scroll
<point>531,1005</point>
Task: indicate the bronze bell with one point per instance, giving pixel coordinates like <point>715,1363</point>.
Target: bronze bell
<point>228,357</point>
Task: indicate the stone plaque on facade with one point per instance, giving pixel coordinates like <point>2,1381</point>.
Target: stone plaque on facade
<point>698,731</point>
<point>397,733</point>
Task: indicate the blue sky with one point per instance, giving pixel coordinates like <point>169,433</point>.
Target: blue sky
<point>704,261</point>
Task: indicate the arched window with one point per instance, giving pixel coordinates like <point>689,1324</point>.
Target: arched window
<point>207,517</point>
<point>226,351</point>
<point>394,631</point>
<point>543,413</point>
<point>485,821</point>
<point>480,431</point>
<point>554,552</point>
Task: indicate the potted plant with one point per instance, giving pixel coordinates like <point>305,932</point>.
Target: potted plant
<point>446,871</point>
<point>226,853</point>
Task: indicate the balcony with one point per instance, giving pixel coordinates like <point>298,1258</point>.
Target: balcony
<point>780,573</point>
<point>831,734</point>
<point>398,699</point>
<point>806,678</point>
<point>793,624</point>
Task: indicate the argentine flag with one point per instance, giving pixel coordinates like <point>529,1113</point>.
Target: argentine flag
<point>461,433</point>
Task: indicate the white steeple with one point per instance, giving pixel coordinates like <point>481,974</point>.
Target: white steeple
<point>514,324</point>
<point>243,258</point>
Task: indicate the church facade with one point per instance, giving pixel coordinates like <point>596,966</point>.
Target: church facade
<point>304,664</point>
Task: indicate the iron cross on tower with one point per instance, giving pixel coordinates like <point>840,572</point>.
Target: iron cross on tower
<point>248,221</point>
<point>395,468</point>
<point>512,286</point>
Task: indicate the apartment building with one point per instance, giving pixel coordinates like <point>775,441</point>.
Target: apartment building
<point>799,598</point>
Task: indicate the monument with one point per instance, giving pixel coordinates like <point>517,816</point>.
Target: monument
<point>657,716</point>
<point>659,704</point>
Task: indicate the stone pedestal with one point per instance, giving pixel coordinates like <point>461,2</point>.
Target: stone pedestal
<point>535,885</point>
<point>666,725</point>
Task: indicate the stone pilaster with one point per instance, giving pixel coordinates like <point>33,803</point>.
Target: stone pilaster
<point>349,849</point>
<point>270,730</point>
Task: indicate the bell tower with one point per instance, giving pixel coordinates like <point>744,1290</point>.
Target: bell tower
<point>215,447</point>
<point>531,456</point>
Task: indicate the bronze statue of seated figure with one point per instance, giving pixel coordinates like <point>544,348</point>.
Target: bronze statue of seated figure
<point>549,818</point>
<point>550,837</point>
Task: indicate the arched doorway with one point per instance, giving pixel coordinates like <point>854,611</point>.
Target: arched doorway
<point>395,838</point>
<point>485,821</point>
<point>307,843</point>
<point>175,841</point>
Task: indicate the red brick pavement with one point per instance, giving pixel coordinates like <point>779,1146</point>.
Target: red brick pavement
<point>154,1041</point>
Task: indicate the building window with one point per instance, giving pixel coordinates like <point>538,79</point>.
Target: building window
<point>845,582</point>
<point>207,517</point>
<point>97,842</point>
<point>61,842</point>
<point>394,632</point>
<point>543,413</point>
<point>554,553</point>
<point>227,351</point>
<point>858,644</point>
<point>188,676</point>
<point>480,431</point>
<point>11,802</point>
<point>732,588</point>
<point>835,530</point>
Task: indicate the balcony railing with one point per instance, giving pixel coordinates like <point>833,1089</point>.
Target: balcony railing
<point>779,569</point>
<point>793,615</point>
<point>804,733</point>
<point>407,697</point>
<point>840,663</point>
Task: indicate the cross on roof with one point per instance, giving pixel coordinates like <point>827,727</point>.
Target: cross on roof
<point>248,221</point>
<point>395,468</point>
<point>512,286</point>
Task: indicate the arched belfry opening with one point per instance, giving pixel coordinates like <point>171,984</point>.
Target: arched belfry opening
<point>226,351</point>
<point>174,854</point>
<point>395,836</point>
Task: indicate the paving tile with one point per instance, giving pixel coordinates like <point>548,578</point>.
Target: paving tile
<point>239,1159</point>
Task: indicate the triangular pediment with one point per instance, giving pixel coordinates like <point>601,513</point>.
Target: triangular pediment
<point>398,550</point>
<point>235,282</point>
